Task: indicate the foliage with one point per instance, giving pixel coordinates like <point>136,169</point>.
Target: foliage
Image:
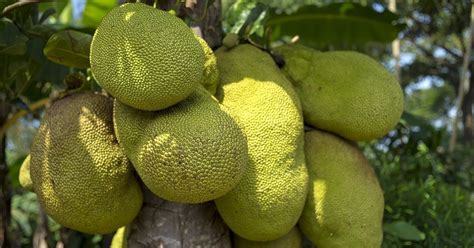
<point>355,23</point>
<point>69,48</point>
<point>428,191</point>
<point>423,187</point>
<point>312,22</point>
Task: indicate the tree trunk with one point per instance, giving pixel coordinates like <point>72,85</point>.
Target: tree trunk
<point>464,81</point>
<point>5,194</point>
<point>161,223</point>
<point>467,108</point>
<point>392,6</point>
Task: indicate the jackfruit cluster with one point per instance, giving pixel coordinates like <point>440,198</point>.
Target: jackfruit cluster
<point>346,97</point>
<point>194,125</point>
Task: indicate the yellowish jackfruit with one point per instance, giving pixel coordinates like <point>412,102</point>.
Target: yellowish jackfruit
<point>145,57</point>
<point>345,202</point>
<point>119,240</point>
<point>24,177</point>
<point>268,201</point>
<point>211,74</point>
<point>81,176</point>
<point>191,153</point>
<point>344,92</point>
<point>293,239</point>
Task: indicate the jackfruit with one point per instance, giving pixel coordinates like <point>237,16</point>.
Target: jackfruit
<point>190,153</point>
<point>293,239</point>
<point>268,201</point>
<point>81,176</point>
<point>24,177</point>
<point>145,57</point>
<point>344,92</point>
<point>211,74</point>
<point>119,240</point>
<point>345,202</point>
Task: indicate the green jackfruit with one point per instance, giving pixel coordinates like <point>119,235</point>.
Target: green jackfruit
<point>268,201</point>
<point>24,177</point>
<point>81,176</point>
<point>345,202</point>
<point>191,153</point>
<point>145,57</point>
<point>211,74</point>
<point>293,239</point>
<point>344,92</point>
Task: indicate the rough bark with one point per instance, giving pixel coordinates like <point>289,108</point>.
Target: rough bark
<point>207,21</point>
<point>168,224</point>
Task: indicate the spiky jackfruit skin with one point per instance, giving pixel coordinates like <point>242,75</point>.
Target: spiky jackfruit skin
<point>293,239</point>
<point>345,203</point>
<point>344,92</point>
<point>82,177</point>
<point>24,176</point>
<point>211,74</point>
<point>269,199</point>
<point>191,153</point>
<point>145,57</point>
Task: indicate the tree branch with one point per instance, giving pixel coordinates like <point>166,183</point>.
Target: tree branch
<point>17,5</point>
<point>12,120</point>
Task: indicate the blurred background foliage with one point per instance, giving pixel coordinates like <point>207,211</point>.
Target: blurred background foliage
<point>428,180</point>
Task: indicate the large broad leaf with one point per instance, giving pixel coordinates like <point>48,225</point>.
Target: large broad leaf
<point>69,48</point>
<point>338,24</point>
<point>404,230</point>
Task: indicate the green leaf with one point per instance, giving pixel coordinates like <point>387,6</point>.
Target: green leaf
<point>254,15</point>
<point>236,14</point>
<point>43,31</point>
<point>404,230</point>
<point>91,14</point>
<point>66,15</point>
<point>95,11</point>
<point>12,41</point>
<point>69,48</point>
<point>15,49</point>
<point>339,24</point>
